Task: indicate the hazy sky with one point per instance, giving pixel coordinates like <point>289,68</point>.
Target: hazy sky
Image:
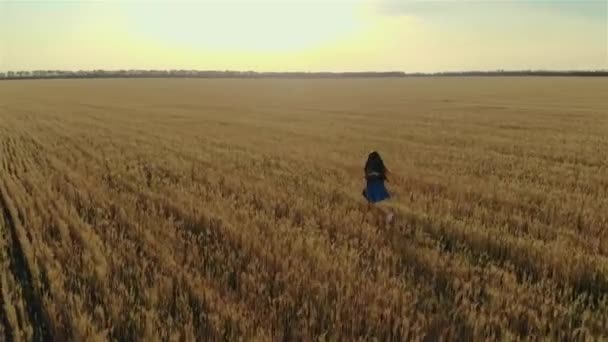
<point>304,35</point>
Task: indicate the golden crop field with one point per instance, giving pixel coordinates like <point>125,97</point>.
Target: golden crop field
<point>200,209</point>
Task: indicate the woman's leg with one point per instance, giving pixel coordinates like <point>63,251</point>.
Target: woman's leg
<point>368,208</point>
<point>388,214</point>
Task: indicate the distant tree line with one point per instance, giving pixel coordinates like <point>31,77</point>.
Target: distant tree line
<point>40,74</point>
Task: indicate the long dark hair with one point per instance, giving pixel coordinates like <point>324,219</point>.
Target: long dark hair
<point>375,163</point>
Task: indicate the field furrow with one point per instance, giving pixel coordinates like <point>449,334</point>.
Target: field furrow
<point>20,258</point>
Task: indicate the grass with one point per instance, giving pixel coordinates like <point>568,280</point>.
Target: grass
<point>188,209</point>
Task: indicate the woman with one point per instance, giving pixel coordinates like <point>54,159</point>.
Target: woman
<point>375,176</point>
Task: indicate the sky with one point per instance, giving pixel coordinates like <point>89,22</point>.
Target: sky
<point>304,35</point>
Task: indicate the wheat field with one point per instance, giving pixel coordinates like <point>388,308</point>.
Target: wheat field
<point>201,209</point>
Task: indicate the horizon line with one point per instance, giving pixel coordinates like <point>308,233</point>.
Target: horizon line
<point>298,72</point>
<point>194,73</point>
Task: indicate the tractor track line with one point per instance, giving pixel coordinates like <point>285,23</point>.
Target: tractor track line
<point>20,268</point>
<point>8,334</point>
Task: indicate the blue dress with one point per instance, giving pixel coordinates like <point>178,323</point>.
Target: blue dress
<point>375,191</point>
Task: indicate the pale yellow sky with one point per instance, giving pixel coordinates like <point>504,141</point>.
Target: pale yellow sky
<point>293,35</point>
